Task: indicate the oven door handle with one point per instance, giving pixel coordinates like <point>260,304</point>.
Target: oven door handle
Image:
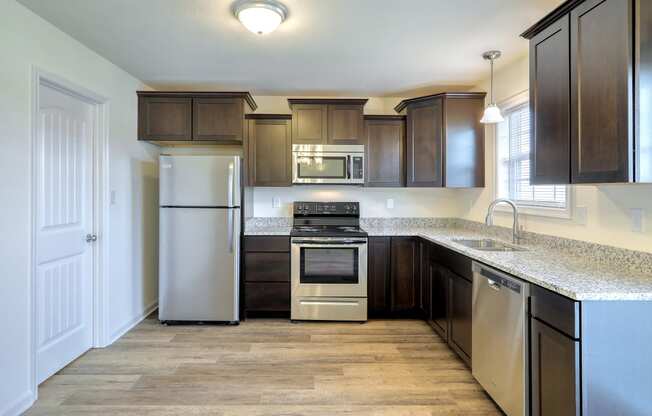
<point>328,242</point>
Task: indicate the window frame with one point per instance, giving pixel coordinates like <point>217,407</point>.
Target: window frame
<point>506,105</point>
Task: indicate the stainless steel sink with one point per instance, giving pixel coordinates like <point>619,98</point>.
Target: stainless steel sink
<point>487,244</point>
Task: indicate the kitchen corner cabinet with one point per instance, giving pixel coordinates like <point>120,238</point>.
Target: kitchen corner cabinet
<point>170,117</point>
<point>269,150</point>
<point>385,151</point>
<point>404,274</point>
<point>327,121</point>
<point>378,273</point>
<point>445,140</point>
<point>596,128</point>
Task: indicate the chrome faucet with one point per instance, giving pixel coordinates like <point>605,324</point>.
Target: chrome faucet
<point>489,219</point>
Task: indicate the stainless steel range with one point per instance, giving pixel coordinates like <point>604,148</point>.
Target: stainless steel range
<point>329,262</point>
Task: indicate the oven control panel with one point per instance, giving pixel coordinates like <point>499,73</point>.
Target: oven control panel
<point>327,208</point>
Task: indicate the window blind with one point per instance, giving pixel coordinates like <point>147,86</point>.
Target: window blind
<point>513,149</point>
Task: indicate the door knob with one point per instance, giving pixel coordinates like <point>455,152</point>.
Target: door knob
<point>90,238</point>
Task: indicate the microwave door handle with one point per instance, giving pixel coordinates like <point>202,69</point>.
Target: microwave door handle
<point>348,166</point>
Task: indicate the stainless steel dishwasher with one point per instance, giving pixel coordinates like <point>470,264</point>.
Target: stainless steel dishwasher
<point>500,337</point>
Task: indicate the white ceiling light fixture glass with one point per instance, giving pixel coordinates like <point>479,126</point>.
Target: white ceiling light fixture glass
<point>492,113</point>
<point>260,16</point>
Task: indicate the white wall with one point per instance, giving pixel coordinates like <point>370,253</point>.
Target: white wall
<point>607,206</point>
<point>408,202</point>
<point>25,41</point>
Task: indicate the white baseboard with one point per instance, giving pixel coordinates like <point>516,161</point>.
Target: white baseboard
<point>20,405</point>
<point>129,325</point>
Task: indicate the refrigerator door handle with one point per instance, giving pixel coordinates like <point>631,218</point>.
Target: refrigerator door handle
<point>230,186</point>
<point>230,225</point>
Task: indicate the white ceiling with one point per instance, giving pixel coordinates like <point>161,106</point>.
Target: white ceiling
<point>325,47</point>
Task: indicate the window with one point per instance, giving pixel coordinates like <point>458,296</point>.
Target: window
<point>513,167</point>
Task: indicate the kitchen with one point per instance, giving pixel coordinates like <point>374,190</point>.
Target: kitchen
<point>352,232</point>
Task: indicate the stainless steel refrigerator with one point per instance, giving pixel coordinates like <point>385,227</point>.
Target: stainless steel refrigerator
<point>199,238</point>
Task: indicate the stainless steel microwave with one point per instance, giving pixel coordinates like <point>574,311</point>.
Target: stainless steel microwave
<point>328,164</point>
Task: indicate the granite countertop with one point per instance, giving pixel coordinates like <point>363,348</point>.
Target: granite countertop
<point>579,270</point>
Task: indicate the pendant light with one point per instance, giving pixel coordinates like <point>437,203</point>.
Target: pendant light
<point>260,16</point>
<point>492,112</point>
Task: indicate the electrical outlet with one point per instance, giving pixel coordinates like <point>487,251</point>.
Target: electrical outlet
<point>390,203</point>
<point>636,216</point>
<point>276,202</point>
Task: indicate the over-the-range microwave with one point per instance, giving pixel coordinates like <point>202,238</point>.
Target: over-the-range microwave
<point>328,164</point>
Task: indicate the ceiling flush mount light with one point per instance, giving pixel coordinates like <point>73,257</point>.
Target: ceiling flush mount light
<point>492,112</point>
<point>260,16</point>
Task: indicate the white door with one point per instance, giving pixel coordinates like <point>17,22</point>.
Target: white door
<point>64,216</point>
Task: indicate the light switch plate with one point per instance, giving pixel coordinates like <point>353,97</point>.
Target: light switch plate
<point>276,202</point>
<point>390,203</point>
<point>113,197</point>
<point>637,216</point>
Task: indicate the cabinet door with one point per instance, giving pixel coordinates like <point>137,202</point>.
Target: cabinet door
<point>164,118</point>
<point>439,298</point>
<point>601,91</point>
<point>424,279</point>
<point>554,364</point>
<point>309,123</point>
<point>378,273</point>
<point>270,152</point>
<point>464,143</point>
<point>345,124</point>
<point>385,153</point>
<point>218,119</point>
<point>461,306</point>
<point>404,260</point>
<point>550,104</point>
<point>424,144</point>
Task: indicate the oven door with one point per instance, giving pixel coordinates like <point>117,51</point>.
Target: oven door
<point>332,267</point>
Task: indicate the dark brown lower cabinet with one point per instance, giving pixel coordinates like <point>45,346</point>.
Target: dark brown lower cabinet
<point>555,371</point>
<point>266,275</point>
<point>461,307</point>
<point>378,272</point>
<point>439,299</point>
<point>404,268</point>
<point>424,279</point>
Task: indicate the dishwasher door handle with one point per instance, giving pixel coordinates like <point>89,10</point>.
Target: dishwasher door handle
<point>494,285</point>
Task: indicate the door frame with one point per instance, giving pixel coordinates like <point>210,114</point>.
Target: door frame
<point>100,213</point>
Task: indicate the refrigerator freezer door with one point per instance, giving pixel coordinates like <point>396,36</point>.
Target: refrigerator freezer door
<point>199,264</point>
<point>199,181</point>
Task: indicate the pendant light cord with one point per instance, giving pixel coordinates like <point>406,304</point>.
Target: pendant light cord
<point>492,80</point>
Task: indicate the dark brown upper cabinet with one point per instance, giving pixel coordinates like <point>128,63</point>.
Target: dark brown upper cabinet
<point>601,91</point>
<point>607,65</point>
<point>309,123</point>
<point>164,118</point>
<point>445,140</point>
<point>218,119</point>
<point>169,117</point>
<point>327,121</point>
<point>385,151</point>
<point>550,104</point>
<point>269,150</point>
<point>345,124</point>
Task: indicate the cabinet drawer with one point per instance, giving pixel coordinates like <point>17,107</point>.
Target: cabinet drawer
<point>457,263</point>
<point>557,311</point>
<point>267,244</point>
<point>274,297</point>
<point>267,267</point>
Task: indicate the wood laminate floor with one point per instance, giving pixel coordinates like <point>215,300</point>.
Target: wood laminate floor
<point>268,367</point>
